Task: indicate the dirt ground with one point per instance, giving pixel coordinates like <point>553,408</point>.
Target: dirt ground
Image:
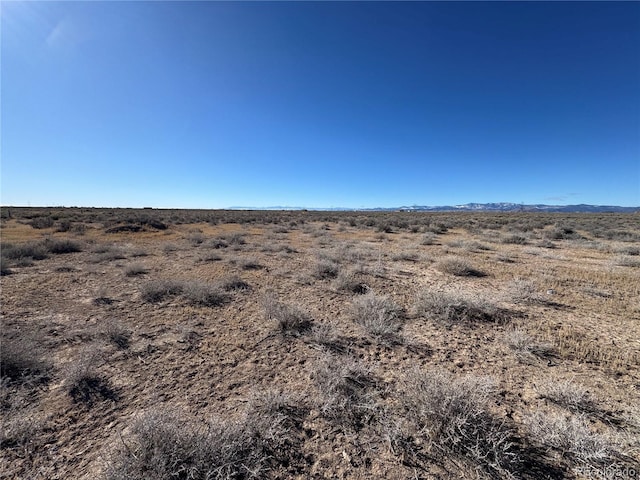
<point>216,319</point>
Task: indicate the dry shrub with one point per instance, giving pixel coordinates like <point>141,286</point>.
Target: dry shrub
<point>527,347</point>
<point>234,283</point>
<point>116,333</point>
<point>136,269</point>
<point>205,294</point>
<point>458,267</point>
<point>571,437</point>
<point>165,444</point>
<point>158,290</point>
<point>326,268</point>
<point>452,416</point>
<point>346,281</point>
<point>377,314</point>
<point>457,308</point>
<point>83,381</point>
<point>569,395</point>
<point>60,246</point>
<point>347,394</point>
<point>288,319</point>
<point>522,291</point>
<point>22,359</point>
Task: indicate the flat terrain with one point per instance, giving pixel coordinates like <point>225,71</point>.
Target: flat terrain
<point>219,344</point>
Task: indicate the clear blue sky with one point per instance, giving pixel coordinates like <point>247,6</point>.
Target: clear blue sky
<point>215,104</point>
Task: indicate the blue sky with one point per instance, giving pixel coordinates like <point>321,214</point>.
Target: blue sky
<point>216,104</point>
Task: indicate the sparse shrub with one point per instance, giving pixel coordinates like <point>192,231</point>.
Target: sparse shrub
<point>196,238</point>
<point>571,437</point>
<point>569,395</point>
<point>562,233</point>
<point>234,283</point>
<point>5,267</point>
<point>406,256</point>
<point>514,239</point>
<point>524,291</point>
<point>377,314</point>
<point>626,261</point>
<point>452,416</point>
<point>458,267</point>
<point>34,250</point>
<point>82,380</point>
<point>205,294</point>
<point>325,335</point>
<point>526,347</point>
<point>116,333</point>
<point>210,257</point>
<point>135,269</point>
<point>347,393</point>
<point>21,358</point>
<point>217,243</point>
<point>166,445</point>
<point>158,290</point>
<point>346,281</point>
<point>326,268</point>
<point>289,319</point>
<point>41,222</point>
<point>236,238</point>
<point>504,258</point>
<point>456,308</point>
<point>429,239</point>
<point>628,250</point>
<point>63,226</point>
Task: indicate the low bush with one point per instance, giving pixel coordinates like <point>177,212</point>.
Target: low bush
<point>458,267</point>
<point>288,319</point>
<point>570,437</point>
<point>165,445</point>
<point>451,416</point>
<point>60,246</point>
<point>457,308</point>
<point>201,293</point>
<point>377,314</point>
<point>158,290</point>
<point>347,394</point>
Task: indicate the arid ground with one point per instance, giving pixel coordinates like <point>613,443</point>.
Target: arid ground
<point>171,344</point>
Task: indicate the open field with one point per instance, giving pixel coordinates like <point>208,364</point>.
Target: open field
<point>157,344</point>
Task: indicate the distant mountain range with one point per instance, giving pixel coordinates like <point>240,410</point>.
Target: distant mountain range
<point>475,207</point>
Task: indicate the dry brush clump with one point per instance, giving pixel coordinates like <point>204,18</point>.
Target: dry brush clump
<point>165,444</point>
<point>347,391</point>
<point>22,358</point>
<point>527,347</point>
<point>136,269</point>
<point>458,267</point>
<point>454,308</point>
<point>116,333</point>
<point>196,292</point>
<point>289,320</point>
<point>569,395</point>
<point>379,315</point>
<point>571,437</point>
<point>83,381</point>
<point>451,417</point>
